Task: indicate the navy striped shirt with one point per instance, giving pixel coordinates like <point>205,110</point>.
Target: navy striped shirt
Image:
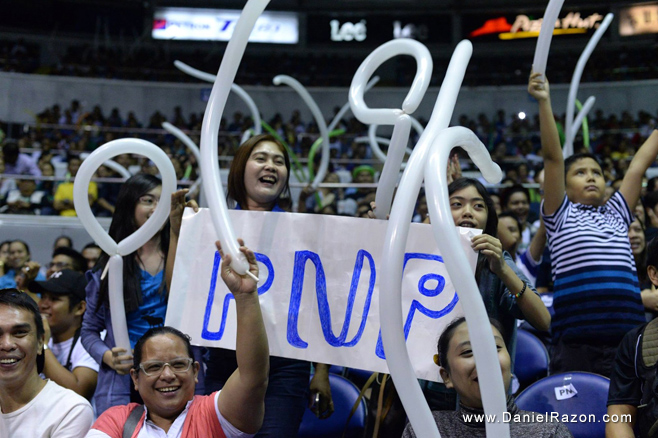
<point>597,295</point>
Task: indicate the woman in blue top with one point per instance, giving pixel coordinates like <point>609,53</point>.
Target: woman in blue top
<point>258,180</point>
<point>144,291</point>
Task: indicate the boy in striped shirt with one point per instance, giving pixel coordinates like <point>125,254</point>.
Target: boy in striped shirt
<point>597,297</point>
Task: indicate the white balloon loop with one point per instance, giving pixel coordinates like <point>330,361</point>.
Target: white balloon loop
<point>319,119</point>
<point>492,387</point>
<point>191,146</point>
<point>389,116</point>
<point>131,243</point>
<point>81,201</point>
<point>253,109</point>
<point>210,128</point>
<point>575,83</point>
<point>545,36</point>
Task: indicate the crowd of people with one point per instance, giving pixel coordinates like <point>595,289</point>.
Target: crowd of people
<point>590,243</point>
<point>152,62</point>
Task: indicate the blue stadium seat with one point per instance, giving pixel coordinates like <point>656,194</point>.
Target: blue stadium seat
<point>587,395</point>
<point>531,359</point>
<point>344,394</point>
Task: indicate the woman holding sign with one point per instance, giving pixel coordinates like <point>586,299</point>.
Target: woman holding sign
<point>258,180</point>
<point>144,291</point>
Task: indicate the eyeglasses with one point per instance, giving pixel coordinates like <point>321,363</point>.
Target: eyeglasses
<point>155,367</point>
<point>59,265</point>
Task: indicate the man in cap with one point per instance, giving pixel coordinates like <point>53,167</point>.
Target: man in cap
<point>62,307</point>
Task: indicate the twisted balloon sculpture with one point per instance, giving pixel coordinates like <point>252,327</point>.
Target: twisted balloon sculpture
<point>399,118</point>
<point>130,244</point>
<point>397,356</point>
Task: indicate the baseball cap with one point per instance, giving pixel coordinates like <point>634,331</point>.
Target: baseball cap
<point>64,282</point>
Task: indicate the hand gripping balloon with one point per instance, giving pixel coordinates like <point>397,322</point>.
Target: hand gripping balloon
<point>484,349</point>
<point>398,117</point>
<point>319,119</point>
<point>210,128</point>
<point>130,244</point>
<point>187,141</point>
<point>397,357</point>
<point>545,36</point>
<point>571,128</point>
<point>253,109</point>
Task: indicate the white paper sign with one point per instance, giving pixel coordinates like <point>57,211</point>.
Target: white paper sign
<point>565,392</point>
<point>318,288</point>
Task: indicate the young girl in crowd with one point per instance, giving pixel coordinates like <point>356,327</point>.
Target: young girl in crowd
<point>144,291</point>
<point>258,180</point>
<point>457,367</point>
<point>516,199</point>
<point>507,293</point>
<point>596,298</point>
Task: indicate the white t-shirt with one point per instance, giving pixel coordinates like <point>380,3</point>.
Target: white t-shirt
<point>55,412</point>
<point>79,356</point>
<point>150,430</point>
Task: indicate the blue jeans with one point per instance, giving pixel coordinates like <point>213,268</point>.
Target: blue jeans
<point>286,398</point>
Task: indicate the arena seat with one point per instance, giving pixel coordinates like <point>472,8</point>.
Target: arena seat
<point>531,359</point>
<point>344,394</point>
<point>577,393</point>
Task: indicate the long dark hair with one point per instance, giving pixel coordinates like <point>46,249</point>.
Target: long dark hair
<point>236,189</point>
<point>491,226</point>
<point>123,224</point>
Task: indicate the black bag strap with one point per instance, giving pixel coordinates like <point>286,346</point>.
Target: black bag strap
<point>132,421</point>
<point>75,340</point>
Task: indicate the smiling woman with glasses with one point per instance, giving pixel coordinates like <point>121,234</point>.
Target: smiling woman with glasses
<point>164,374</point>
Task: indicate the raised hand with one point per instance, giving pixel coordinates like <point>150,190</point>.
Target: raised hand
<point>538,87</point>
<point>178,205</point>
<point>238,284</point>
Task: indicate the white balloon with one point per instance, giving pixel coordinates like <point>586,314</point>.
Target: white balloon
<point>389,116</point>
<point>492,387</point>
<point>117,306</point>
<point>191,146</point>
<point>390,310</point>
<point>580,118</point>
<point>112,165</point>
<point>133,242</point>
<point>253,109</point>
<point>545,36</point>
<point>210,128</point>
<point>575,82</point>
<point>374,141</point>
<point>319,119</point>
